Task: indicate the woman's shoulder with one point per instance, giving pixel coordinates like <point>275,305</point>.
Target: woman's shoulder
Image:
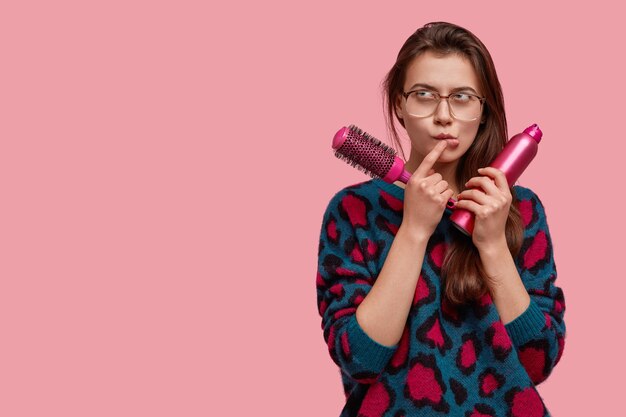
<point>364,189</point>
<point>355,200</point>
<point>529,204</point>
<point>525,193</point>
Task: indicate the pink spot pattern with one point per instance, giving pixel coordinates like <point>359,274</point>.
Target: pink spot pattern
<point>356,254</point>
<point>345,345</point>
<point>468,354</point>
<point>399,359</point>
<point>536,251</point>
<point>331,230</point>
<point>391,201</point>
<point>501,338</point>
<point>356,209</point>
<point>376,401</point>
<point>534,357</point>
<point>423,385</point>
<point>371,247</point>
<point>526,210</point>
<point>438,254</point>
<point>421,290</point>
<point>527,403</point>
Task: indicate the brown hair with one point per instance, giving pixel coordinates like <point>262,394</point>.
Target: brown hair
<point>462,270</point>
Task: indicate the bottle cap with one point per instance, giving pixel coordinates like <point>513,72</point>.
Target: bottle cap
<point>534,132</point>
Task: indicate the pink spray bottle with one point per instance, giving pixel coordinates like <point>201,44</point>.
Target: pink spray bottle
<point>513,160</point>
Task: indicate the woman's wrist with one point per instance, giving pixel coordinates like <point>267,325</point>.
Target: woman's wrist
<point>493,248</point>
<point>412,236</point>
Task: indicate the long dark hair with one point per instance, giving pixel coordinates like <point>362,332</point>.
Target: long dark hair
<point>462,271</point>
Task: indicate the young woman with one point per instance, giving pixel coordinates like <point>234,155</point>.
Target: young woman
<point>421,319</point>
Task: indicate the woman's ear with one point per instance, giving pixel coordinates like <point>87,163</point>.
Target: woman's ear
<point>398,106</point>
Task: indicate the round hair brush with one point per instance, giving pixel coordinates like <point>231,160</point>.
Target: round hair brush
<point>370,155</point>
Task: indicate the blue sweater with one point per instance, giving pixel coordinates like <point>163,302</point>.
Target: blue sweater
<point>458,361</point>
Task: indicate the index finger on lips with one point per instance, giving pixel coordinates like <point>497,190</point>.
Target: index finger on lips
<point>429,160</point>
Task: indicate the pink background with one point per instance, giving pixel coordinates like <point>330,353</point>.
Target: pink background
<point>165,165</point>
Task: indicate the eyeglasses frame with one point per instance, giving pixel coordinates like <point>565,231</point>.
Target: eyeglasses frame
<point>481,99</point>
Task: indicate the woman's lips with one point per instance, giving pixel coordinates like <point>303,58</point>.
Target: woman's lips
<point>451,141</point>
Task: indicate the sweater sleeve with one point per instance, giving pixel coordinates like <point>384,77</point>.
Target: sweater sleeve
<point>343,281</point>
<point>538,334</point>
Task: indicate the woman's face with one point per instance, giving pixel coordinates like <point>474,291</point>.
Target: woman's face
<point>443,74</point>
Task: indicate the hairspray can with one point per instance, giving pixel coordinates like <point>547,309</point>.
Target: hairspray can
<point>513,160</point>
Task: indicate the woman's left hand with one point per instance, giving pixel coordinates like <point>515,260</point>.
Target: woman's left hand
<point>490,201</point>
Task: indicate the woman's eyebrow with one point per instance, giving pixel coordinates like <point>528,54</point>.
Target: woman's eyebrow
<point>430,87</point>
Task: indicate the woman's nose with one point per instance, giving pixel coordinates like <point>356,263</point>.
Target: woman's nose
<point>442,112</point>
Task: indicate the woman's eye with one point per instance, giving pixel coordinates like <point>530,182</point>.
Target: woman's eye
<point>425,94</point>
<point>461,97</point>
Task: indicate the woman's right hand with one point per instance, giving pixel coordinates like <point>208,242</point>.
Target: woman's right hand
<point>425,197</point>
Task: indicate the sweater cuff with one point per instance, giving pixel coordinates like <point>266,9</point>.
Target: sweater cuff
<point>527,326</point>
<point>365,350</point>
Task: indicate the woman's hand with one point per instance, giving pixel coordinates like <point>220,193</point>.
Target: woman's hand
<point>490,201</point>
<point>425,196</point>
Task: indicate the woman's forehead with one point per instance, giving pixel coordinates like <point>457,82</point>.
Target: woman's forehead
<point>450,71</point>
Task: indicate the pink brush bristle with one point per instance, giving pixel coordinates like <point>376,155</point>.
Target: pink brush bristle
<point>364,152</point>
